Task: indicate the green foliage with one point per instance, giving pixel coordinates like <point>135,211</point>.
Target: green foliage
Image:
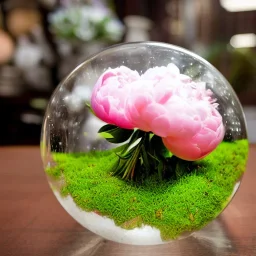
<point>197,194</point>
<point>115,134</point>
<point>85,23</point>
<point>142,155</point>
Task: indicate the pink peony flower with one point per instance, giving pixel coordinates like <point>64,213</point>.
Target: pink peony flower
<point>175,108</point>
<point>164,102</point>
<point>110,94</point>
<point>202,143</point>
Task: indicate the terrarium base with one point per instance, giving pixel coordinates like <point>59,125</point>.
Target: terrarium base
<point>107,228</point>
<point>152,212</point>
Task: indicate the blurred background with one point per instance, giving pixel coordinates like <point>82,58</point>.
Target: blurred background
<point>41,41</point>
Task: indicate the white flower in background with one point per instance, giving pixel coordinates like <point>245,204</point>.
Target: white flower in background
<point>115,29</point>
<point>85,32</point>
<point>86,23</point>
<point>94,15</point>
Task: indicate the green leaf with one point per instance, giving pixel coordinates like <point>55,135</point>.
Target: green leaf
<point>128,158</point>
<point>125,156</point>
<point>145,158</point>
<point>106,135</point>
<point>151,135</point>
<point>134,144</point>
<point>128,146</point>
<point>107,128</point>
<point>133,141</point>
<point>158,145</point>
<point>118,135</point>
<point>90,108</point>
<point>154,157</point>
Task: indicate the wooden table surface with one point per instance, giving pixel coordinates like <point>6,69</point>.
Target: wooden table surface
<point>32,222</point>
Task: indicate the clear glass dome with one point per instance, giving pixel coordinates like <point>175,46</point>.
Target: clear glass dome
<point>156,209</point>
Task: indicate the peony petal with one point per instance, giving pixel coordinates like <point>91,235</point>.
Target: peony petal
<point>110,93</point>
<point>150,114</point>
<point>211,124</point>
<point>160,125</point>
<point>185,79</point>
<point>182,148</point>
<point>156,73</point>
<point>173,69</point>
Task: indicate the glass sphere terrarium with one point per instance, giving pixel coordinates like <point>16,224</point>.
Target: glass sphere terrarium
<point>144,143</point>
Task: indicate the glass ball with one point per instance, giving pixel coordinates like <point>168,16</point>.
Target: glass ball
<point>172,196</point>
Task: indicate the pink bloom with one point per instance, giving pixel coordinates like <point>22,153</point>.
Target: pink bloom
<point>110,94</point>
<point>180,111</point>
<point>164,102</point>
<point>158,73</point>
<point>202,143</point>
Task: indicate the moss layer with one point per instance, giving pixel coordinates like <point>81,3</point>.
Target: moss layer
<point>173,207</point>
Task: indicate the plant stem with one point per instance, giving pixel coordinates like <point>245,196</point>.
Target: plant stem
<point>142,156</point>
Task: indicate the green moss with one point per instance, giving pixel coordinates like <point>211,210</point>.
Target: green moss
<point>174,207</point>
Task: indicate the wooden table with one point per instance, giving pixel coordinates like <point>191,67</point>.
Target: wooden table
<point>32,222</point>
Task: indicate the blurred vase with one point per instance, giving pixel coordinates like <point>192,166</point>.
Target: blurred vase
<point>138,28</point>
